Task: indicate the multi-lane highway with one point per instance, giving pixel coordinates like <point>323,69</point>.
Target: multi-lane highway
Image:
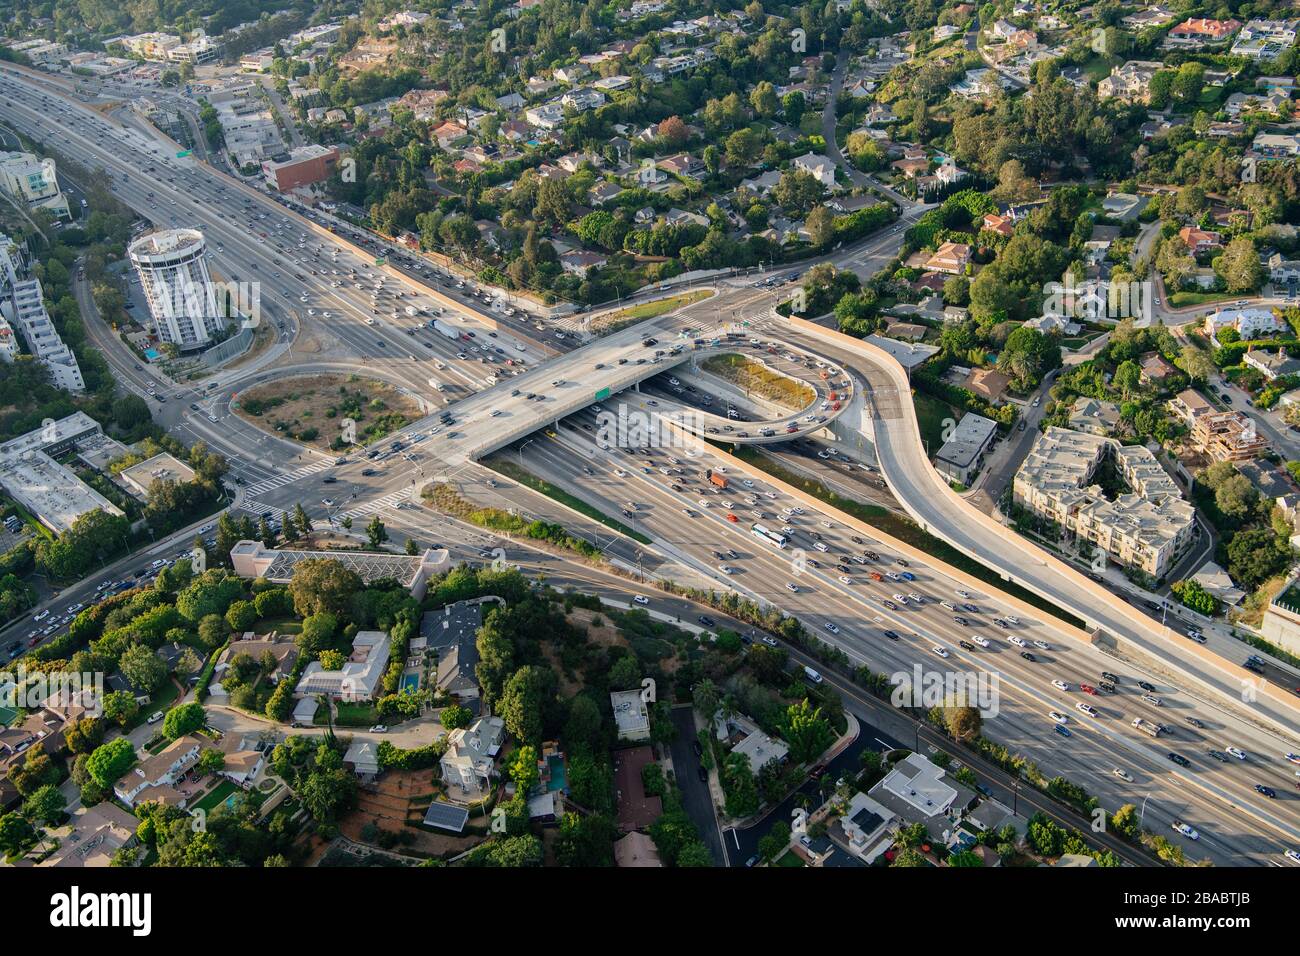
<point>334,309</point>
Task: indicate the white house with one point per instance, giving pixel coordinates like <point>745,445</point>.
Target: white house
<point>469,765</point>
<point>819,167</point>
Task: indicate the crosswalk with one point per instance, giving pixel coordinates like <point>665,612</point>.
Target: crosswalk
<point>257,508</point>
<point>368,508</point>
<point>287,478</point>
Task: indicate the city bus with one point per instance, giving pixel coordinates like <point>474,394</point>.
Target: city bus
<point>772,537</point>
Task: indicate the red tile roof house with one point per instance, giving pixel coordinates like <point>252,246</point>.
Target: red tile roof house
<point>1002,225</point>
<point>1204,30</point>
<point>1199,240</point>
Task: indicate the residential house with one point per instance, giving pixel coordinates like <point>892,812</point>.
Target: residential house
<point>1131,82</point>
<point>155,776</point>
<point>1093,416</point>
<point>358,678</point>
<point>819,167</point>
<point>1200,240</point>
<point>1272,364</point>
<point>1248,323</point>
<point>1202,31</point>
<point>951,258</point>
<point>631,716</point>
<point>468,765</point>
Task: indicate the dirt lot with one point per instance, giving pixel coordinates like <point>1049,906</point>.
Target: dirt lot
<point>313,409</point>
<point>760,380</point>
<point>389,801</point>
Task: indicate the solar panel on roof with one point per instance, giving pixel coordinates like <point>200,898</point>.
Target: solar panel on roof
<point>446,816</point>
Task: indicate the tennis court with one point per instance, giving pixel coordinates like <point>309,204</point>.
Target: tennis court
<point>7,716</point>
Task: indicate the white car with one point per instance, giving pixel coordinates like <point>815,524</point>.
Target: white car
<point>1292,855</point>
<point>963,594</point>
<point>830,626</point>
<point>1017,641</point>
<point>1011,620</point>
<point>726,569</point>
<point>1043,645</point>
<point>845,579</point>
<point>941,651</point>
<point>1088,709</point>
<point>792,587</point>
<point>1236,752</point>
<point>1188,831</point>
<point>703,504</point>
<point>1058,717</point>
<point>981,641</point>
<point>620,472</point>
<point>1123,774</point>
<point>1294,758</point>
<point>1060,685</point>
<point>641,599</point>
<point>899,598</point>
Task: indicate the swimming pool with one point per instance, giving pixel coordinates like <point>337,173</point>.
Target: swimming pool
<point>410,683</point>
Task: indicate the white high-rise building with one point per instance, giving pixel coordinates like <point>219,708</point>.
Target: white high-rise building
<point>177,287</point>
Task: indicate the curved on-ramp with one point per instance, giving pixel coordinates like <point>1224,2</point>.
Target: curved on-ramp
<point>927,497</point>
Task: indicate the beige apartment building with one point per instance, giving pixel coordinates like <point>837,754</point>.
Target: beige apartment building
<point>1147,527</point>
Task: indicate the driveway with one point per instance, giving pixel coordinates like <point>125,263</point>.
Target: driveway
<point>696,798</point>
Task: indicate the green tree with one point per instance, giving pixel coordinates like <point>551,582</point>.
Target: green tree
<point>143,668</point>
<point>184,719</point>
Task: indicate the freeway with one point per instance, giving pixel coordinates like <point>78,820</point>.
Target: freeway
<point>1216,797</point>
<point>927,497</point>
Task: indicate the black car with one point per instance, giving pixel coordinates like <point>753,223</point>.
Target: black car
<point>368,472</point>
<point>1029,657</point>
<point>702,774</point>
<point>328,480</point>
<point>1195,723</point>
<point>1106,687</point>
<point>892,635</point>
<point>966,645</point>
<point>1108,676</point>
<point>706,621</point>
<point>699,750</point>
<point>1266,791</point>
<point>1180,760</point>
<point>1149,688</point>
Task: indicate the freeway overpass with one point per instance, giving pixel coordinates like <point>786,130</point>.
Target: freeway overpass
<point>503,412</point>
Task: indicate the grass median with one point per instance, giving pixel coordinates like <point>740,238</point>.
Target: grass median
<point>756,378</point>
<point>512,471</point>
<point>613,321</point>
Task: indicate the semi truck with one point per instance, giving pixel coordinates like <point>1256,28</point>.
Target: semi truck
<point>446,328</point>
<point>716,479</point>
<point>1148,727</point>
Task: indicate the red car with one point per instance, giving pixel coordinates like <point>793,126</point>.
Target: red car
<point>33,642</point>
<point>731,517</point>
<point>1088,689</point>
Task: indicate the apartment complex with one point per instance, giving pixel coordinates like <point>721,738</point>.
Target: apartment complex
<point>1146,527</point>
<point>26,310</point>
